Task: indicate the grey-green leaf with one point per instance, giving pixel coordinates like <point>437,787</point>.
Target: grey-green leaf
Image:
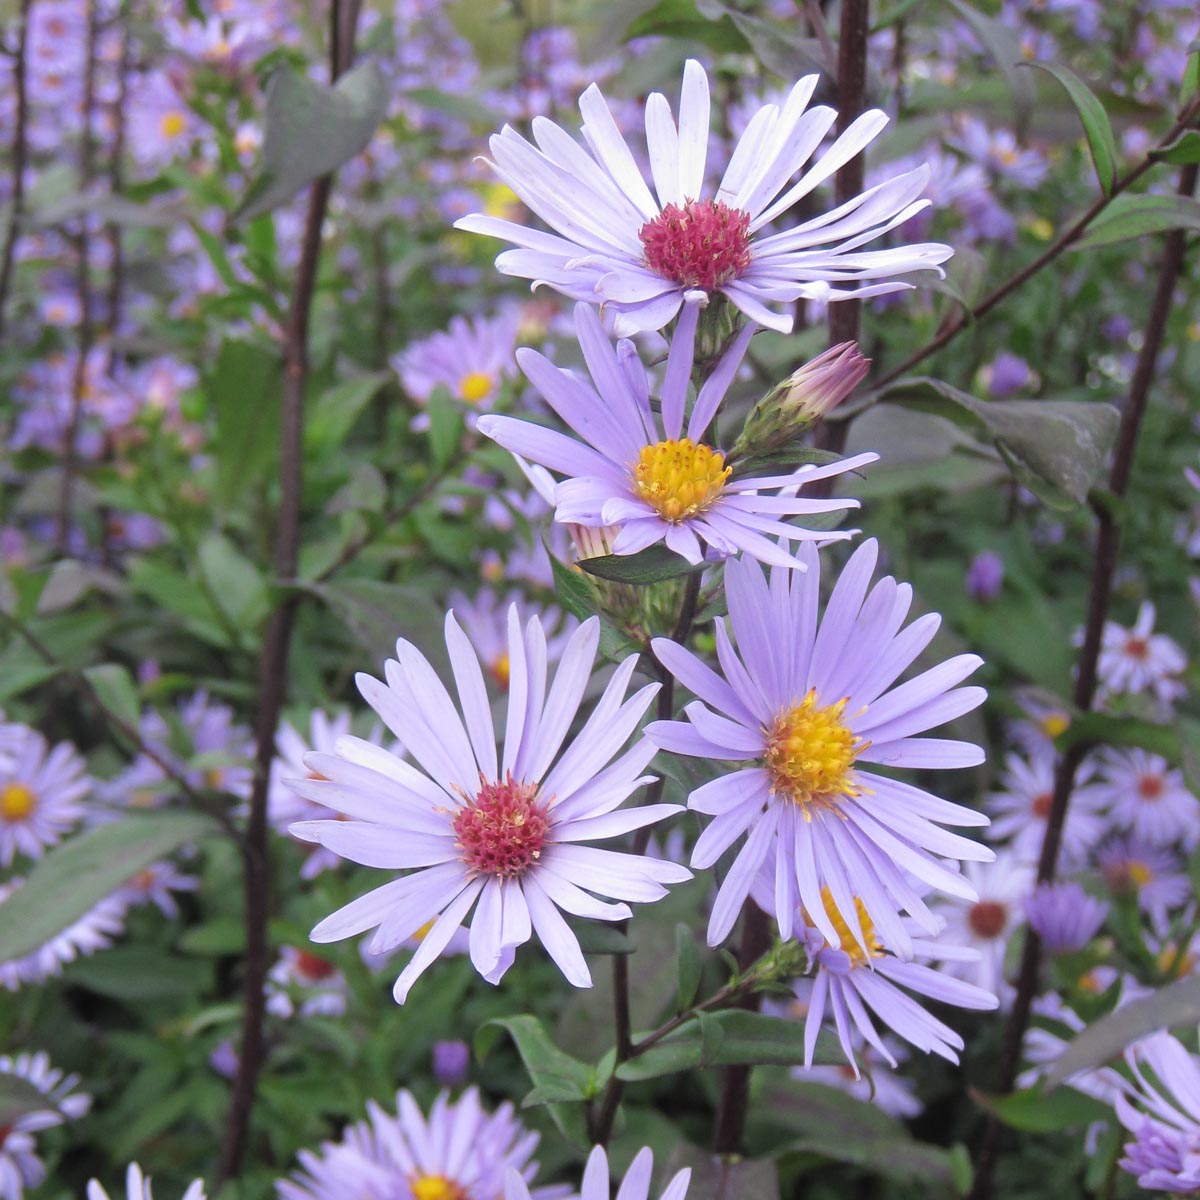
<point>1136,216</point>
<point>18,1098</point>
<point>1096,127</point>
<point>1001,43</point>
<point>652,565</point>
<point>1176,1004</point>
<point>556,1076</point>
<point>78,873</point>
<point>310,130</point>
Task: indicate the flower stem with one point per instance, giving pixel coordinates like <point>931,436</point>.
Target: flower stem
<point>1104,566</point>
<point>20,154</point>
<point>273,664</point>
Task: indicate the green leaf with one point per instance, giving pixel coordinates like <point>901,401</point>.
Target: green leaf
<point>689,966</point>
<point>683,19</point>
<point>728,1038</point>
<point>310,130</point>
<point>332,416</point>
<point>244,390</point>
<point>724,1177</point>
<point>1101,144</point>
<point>78,873</point>
<point>137,974</point>
<point>1002,44</point>
<point>1184,149</point>
<point>233,582</point>
<point>1138,215</point>
<point>446,428</point>
<point>1176,1004</point>
<point>1191,77</point>
<point>1034,1110</point>
<point>1062,444</point>
<point>378,613</point>
<point>179,595</point>
<point>117,691</point>
<point>600,937</point>
<point>556,1076</point>
<point>1103,729</point>
<point>652,565</point>
<point>575,591</point>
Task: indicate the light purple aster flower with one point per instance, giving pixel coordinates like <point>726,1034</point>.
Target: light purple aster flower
<point>476,827</point>
<point>1064,916</point>
<point>303,982</point>
<point>1153,873</point>
<point>854,973</point>
<point>137,1187</point>
<point>1146,795</point>
<point>451,1062</point>
<point>485,619</point>
<point>658,486</point>
<point>1138,660</point>
<point>802,704</point>
<point>1163,1114</point>
<point>641,257</point>
<point>597,1184</point>
<point>157,885</point>
<point>20,1166</point>
<point>460,1151</point>
<point>41,790</point>
<point>1007,374</point>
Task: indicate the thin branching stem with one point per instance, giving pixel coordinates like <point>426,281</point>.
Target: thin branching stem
<point>20,157</point>
<point>1104,567</point>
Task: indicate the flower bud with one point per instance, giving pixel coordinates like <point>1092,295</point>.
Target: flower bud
<point>801,400</point>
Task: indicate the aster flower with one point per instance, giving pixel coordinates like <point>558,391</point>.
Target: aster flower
<point>1152,872</point>
<point>1150,798</point>
<point>20,1166</point>
<point>1046,718</point>
<point>471,359</point>
<point>476,827</point>
<point>94,931</point>
<point>1138,660</point>
<point>658,486</point>
<point>1064,916</point>
<point>303,981</point>
<point>986,923</point>
<point>642,256</point>
<point>40,794</point>
<point>802,704</point>
<point>137,1187</point>
<point>459,1151</point>
<point>485,621</point>
<point>1163,1114</point>
<point>157,885</point>
<point>854,973</point>
<point>1021,808</point>
<point>597,1185</point>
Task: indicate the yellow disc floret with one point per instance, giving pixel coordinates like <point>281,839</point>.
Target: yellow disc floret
<point>848,943</point>
<point>16,802</point>
<point>679,479</point>
<point>1054,724</point>
<point>436,1187</point>
<point>810,751</point>
<point>172,124</point>
<point>475,386</point>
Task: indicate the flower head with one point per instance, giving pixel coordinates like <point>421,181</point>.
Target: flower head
<point>642,255</point>
<point>303,982</point>
<point>40,793</point>
<point>597,1186</point>
<point>1147,796</point>
<point>802,706</point>
<point>648,474</point>
<point>1138,660</point>
<point>137,1187</point>
<point>1064,916</point>
<point>477,830</point>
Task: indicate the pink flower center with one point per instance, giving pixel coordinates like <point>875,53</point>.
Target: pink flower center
<point>1150,787</point>
<point>313,968</point>
<point>1137,648</point>
<point>701,245</point>
<point>502,830</point>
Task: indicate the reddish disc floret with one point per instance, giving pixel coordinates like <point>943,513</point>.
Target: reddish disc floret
<point>313,968</point>
<point>502,830</point>
<point>702,244</point>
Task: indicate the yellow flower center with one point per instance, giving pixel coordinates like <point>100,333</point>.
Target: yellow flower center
<point>436,1187</point>
<point>848,943</point>
<point>172,124</point>
<point>501,670</point>
<point>1139,873</point>
<point>16,802</point>
<point>1176,962</point>
<point>214,777</point>
<point>474,387</point>
<point>810,751</point>
<point>679,479</point>
<point>1055,724</point>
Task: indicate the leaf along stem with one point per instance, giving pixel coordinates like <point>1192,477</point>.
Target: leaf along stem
<point>1104,566</point>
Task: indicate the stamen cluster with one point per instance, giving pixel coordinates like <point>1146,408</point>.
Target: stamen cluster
<point>502,831</point>
<point>809,754</point>
<point>700,244</point>
<point>679,478</point>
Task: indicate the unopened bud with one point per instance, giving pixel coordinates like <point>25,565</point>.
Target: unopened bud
<point>801,400</point>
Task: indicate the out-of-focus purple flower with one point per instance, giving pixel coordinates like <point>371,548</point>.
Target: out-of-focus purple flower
<point>451,1062</point>
<point>224,1059</point>
<point>1007,374</point>
<point>1064,916</point>
<point>985,576</point>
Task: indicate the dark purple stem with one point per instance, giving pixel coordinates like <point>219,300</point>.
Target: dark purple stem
<point>1108,534</point>
<point>20,156</point>
<point>273,663</point>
